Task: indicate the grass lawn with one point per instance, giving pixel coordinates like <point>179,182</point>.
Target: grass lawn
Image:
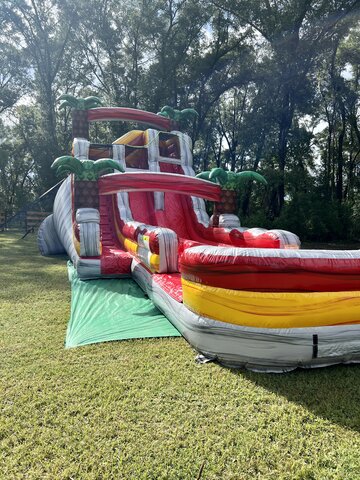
<point>144,409</point>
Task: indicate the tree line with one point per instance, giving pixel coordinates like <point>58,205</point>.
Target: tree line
<point>275,84</point>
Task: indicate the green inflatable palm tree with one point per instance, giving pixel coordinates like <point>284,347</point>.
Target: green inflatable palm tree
<point>84,169</point>
<point>78,103</point>
<point>79,107</point>
<point>231,180</point>
<point>179,116</point>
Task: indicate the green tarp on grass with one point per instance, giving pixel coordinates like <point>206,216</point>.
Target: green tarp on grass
<point>112,309</point>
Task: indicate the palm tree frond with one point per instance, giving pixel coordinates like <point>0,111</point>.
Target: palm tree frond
<point>107,164</point>
<point>248,175</point>
<point>70,100</point>
<point>91,102</point>
<point>89,106</point>
<point>64,160</point>
<point>219,174</point>
<point>63,104</point>
<point>65,169</point>
<point>204,175</point>
<point>188,114</point>
<point>167,112</point>
<point>79,103</point>
<point>68,161</point>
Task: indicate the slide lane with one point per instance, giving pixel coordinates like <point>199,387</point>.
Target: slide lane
<point>115,261</point>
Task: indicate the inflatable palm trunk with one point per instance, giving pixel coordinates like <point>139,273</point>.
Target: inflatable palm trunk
<point>245,297</point>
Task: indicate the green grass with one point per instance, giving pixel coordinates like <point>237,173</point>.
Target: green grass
<point>144,409</point>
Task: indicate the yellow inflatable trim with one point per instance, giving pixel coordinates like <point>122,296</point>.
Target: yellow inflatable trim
<point>272,310</point>
<point>155,262</point>
<point>129,137</point>
<point>76,244</point>
<point>131,246</point>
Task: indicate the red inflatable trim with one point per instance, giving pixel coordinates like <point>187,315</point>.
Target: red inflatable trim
<point>268,273</point>
<point>158,182</point>
<point>129,115</point>
<point>115,262</point>
<point>171,284</point>
<point>154,242</point>
<point>271,282</point>
<point>225,264</point>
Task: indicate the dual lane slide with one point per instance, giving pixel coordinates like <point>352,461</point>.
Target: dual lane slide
<point>246,297</point>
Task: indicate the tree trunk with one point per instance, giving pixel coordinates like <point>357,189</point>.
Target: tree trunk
<point>285,123</point>
<point>247,194</point>
<point>340,158</point>
<point>328,154</point>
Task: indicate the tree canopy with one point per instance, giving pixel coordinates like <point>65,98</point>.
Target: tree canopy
<point>275,85</point>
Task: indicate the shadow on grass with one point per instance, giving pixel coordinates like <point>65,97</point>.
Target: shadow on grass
<point>332,393</point>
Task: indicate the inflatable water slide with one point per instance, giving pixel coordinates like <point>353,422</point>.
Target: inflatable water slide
<point>244,297</point>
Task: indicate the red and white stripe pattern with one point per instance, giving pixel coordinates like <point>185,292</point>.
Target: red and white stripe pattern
<point>154,240</point>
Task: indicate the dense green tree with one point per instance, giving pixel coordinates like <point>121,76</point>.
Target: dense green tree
<point>17,181</point>
<point>275,85</point>
<point>14,83</point>
<point>294,34</point>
